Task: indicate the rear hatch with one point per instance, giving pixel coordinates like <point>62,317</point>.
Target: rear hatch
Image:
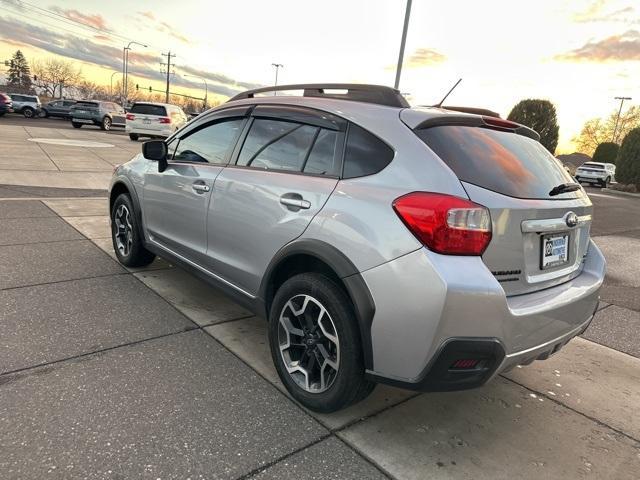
<point>539,236</point>
<point>146,116</point>
<point>87,110</point>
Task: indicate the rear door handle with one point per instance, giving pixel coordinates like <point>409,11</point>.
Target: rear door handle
<point>295,202</point>
<point>201,187</point>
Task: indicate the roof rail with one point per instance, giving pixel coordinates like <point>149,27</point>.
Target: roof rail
<point>378,94</point>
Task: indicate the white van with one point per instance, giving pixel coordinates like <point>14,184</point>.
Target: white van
<point>148,119</point>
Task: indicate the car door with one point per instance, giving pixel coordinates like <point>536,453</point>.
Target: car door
<point>54,108</point>
<point>118,115</point>
<point>283,171</point>
<point>176,200</point>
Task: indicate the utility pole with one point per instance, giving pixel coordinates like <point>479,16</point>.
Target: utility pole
<point>615,129</point>
<point>278,66</point>
<point>403,41</point>
<point>169,55</point>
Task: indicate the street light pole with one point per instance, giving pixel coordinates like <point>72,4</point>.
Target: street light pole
<point>125,68</point>
<point>403,41</point>
<point>615,129</point>
<point>277,65</point>
<point>111,85</point>
<point>206,87</point>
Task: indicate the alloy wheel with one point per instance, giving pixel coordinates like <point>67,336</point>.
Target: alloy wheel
<point>309,343</point>
<point>124,230</point>
<point>106,123</point>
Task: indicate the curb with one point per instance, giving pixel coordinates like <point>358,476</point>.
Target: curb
<point>618,192</point>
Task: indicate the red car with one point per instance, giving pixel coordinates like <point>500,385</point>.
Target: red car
<point>6,104</point>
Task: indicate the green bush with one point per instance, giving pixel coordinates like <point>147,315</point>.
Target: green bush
<point>541,116</point>
<point>606,152</point>
<point>628,161</point>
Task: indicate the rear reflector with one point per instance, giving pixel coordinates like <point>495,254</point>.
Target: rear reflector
<point>464,364</point>
<point>131,116</point>
<point>444,223</point>
<point>165,120</point>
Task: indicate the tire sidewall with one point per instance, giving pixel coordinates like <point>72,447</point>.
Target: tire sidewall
<point>339,307</point>
<point>106,123</point>
<point>128,260</point>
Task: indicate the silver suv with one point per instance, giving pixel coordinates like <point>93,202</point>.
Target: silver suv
<point>420,247</point>
<point>27,105</point>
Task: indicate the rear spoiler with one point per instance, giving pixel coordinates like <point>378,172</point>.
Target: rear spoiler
<point>485,121</point>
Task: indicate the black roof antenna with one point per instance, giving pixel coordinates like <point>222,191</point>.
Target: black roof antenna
<point>438,105</point>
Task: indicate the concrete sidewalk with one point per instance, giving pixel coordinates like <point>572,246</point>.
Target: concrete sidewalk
<point>112,373</point>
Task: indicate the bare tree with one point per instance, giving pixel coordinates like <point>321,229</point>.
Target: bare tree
<point>599,130</point>
<point>53,75</point>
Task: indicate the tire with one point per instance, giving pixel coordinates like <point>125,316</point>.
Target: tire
<point>337,388</point>
<point>28,112</point>
<point>133,137</point>
<point>606,183</point>
<point>76,125</point>
<point>44,113</point>
<point>126,234</point>
<point>106,124</point>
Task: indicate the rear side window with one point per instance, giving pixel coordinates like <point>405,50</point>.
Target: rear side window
<point>276,145</point>
<point>365,154</point>
<point>211,144</point>
<point>503,162</point>
<point>146,109</point>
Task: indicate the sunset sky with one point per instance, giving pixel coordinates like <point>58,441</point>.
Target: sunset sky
<point>577,53</point>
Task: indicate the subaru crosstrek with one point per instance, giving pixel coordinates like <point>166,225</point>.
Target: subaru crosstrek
<point>420,247</point>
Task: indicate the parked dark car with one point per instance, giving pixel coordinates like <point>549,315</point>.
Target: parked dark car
<point>58,108</point>
<point>6,104</point>
<point>94,112</point>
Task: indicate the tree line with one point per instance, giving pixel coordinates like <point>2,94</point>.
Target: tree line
<point>59,78</point>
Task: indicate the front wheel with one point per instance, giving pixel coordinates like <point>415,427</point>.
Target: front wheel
<point>106,124</point>
<point>606,183</point>
<point>126,234</point>
<point>315,344</point>
<point>28,112</point>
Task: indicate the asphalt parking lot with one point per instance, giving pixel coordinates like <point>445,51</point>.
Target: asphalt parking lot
<point>107,372</point>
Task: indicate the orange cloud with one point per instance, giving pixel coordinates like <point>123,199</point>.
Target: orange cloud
<point>93,20</point>
<point>625,47</point>
<point>148,15</point>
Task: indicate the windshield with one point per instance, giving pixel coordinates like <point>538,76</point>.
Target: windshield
<point>504,162</point>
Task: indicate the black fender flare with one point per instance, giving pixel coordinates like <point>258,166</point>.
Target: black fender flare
<point>134,198</point>
<point>355,285</point>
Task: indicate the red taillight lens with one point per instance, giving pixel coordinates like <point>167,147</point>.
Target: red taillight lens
<point>131,116</point>
<point>444,223</point>
<point>499,122</point>
<point>165,120</point>
<point>464,364</point>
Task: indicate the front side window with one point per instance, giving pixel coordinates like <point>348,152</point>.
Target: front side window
<point>211,144</point>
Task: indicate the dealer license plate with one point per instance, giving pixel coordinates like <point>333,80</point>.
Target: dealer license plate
<point>555,250</point>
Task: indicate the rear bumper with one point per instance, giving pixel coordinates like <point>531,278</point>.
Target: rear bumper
<point>432,310</point>
<point>165,132</point>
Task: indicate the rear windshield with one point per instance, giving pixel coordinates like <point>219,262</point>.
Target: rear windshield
<point>146,109</point>
<point>86,104</point>
<point>595,166</point>
<point>504,162</point>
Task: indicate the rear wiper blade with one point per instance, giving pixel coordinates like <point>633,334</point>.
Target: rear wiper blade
<point>564,188</point>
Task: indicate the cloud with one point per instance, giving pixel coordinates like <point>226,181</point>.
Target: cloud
<point>93,20</point>
<point>141,64</point>
<point>625,47</point>
<point>423,57</point>
<point>597,13</point>
<point>148,15</point>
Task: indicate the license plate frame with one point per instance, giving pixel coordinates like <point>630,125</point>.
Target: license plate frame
<point>554,250</point>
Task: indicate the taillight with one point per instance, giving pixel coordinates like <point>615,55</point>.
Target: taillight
<point>165,120</point>
<point>500,123</point>
<point>444,223</point>
<point>131,116</point>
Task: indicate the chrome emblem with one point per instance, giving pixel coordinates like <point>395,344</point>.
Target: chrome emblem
<point>571,219</point>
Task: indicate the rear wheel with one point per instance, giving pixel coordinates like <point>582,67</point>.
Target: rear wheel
<point>315,344</point>
<point>28,112</point>
<point>106,124</point>
<point>133,136</point>
<point>126,234</point>
<point>76,125</point>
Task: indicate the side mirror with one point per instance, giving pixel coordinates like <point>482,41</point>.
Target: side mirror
<point>156,150</point>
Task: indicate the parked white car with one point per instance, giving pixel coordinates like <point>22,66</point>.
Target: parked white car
<point>148,119</point>
<point>596,172</point>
